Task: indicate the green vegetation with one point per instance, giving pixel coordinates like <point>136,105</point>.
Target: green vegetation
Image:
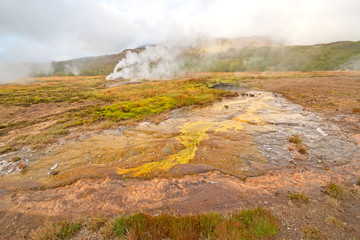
<point>50,90</point>
<point>85,101</point>
<point>323,57</point>
<point>336,191</point>
<point>313,233</point>
<point>94,224</point>
<point>137,109</point>
<point>257,223</point>
<point>299,197</point>
<point>295,139</point>
<point>60,230</point>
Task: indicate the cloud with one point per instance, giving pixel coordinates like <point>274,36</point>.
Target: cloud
<point>39,30</point>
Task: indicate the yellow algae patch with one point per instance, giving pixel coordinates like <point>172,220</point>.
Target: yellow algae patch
<point>192,135</point>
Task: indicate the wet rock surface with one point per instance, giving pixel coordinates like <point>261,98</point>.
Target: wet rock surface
<point>326,144</point>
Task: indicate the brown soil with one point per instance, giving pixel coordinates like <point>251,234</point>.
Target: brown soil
<point>15,114</point>
<point>200,193</point>
<point>33,113</point>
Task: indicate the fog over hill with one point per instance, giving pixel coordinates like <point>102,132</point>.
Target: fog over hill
<point>221,55</point>
<point>170,58</point>
<point>44,31</point>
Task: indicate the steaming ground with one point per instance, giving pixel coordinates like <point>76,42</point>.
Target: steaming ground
<point>155,62</point>
<point>10,72</point>
<point>169,59</point>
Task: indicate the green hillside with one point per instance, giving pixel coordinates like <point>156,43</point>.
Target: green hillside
<point>89,66</point>
<point>332,56</point>
<point>322,57</point>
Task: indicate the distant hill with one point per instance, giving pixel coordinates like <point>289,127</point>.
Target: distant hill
<point>89,66</point>
<point>228,55</point>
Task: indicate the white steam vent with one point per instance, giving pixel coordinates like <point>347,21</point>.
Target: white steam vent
<point>155,62</point>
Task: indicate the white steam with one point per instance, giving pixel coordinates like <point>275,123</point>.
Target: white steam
<point>352,65</point>
<point>13,71</point>
<point>155,62</point>
<point>167,60</point>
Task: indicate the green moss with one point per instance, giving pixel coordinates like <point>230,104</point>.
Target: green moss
<point>137,109</point>
<point>191,93</point>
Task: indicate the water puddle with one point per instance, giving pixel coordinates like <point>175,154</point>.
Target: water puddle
<point>243,136</point>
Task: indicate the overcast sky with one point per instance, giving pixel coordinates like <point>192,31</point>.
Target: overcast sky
<point>45,30</point>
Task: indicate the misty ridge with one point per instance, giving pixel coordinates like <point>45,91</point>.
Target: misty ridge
<point>172,58</point>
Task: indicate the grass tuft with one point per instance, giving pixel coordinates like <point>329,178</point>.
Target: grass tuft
<point>356,110</point>
<point>60,230</point>
<point>336,191</point>
<point>299,197</point>
<point>331,220</point>
<point>95,223</point>
<point>313,233</point>
<point>5,149</point>
<point>249,224</point>
<point>302,150</point>
<point>295,139</point>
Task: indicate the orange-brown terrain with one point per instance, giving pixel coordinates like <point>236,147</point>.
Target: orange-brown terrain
<point>83,147</point>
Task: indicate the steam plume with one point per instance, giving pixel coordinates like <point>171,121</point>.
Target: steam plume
<point>155,62</point>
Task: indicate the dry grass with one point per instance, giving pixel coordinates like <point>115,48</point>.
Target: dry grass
<point>333,221</point>
<point>336,191</point>
<point>59,230</point>
<point>356,110</point>
<point>313,233</point>
<point>297,144</point>
<point>94,224</point>
<point>257,223</point>
<point>295,139</point>
<point>332,202</point>
<point>302,150</point>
